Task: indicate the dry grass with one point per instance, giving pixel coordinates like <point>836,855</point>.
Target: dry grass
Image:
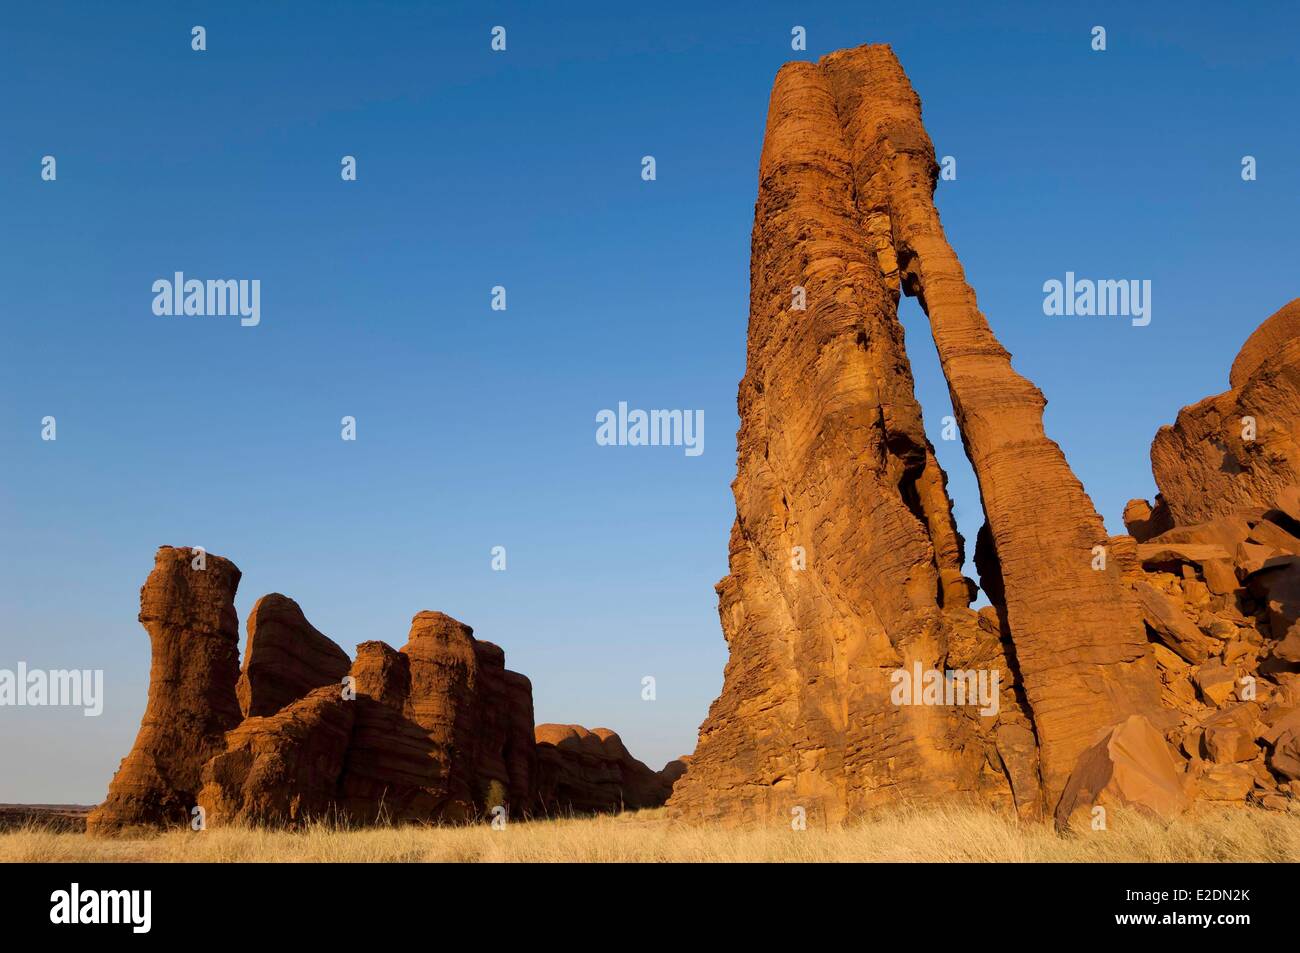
<point>959,835</point>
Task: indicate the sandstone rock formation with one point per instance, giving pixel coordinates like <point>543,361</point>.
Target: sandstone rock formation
<point>281,769</point>
<point>439,731</point>
<point>189,614</point>
<point>845,559</point>
<point>1078,641</point>
<point>285,658</point>
<point>1218,577</point>
<point>1115,653</point>
<point>581,771</point>
<point>1240,448</point>
<point>1155,671</point>
<point>434,736</point>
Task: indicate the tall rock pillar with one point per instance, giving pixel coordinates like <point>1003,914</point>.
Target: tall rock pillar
<point>1078,636</point>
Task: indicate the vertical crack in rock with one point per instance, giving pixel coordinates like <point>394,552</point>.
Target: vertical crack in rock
<point>845,562</point>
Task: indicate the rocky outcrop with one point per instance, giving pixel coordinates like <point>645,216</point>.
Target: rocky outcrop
<point>833,462</point>
<point>845,561</point>
<point>1116,653</point>
<point>281,769</point>
<point>438,728</point>
<point>1220,582</point>
<point>1241,448</point>
<point>187,605</point>
<point>439,731</point>
<point>581,771</point>
<point>285,657</point>
<point>427,733</point>
<point>1221,604</point>
<point>1079,641</point>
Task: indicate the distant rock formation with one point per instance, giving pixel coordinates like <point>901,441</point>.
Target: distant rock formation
<point>57,818</point>
<point>440,731</point>
<point>434,735</point>
<point>1111,652</point>
<point>581,771</point>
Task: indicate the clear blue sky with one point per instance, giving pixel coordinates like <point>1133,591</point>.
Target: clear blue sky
<point>476,428</point>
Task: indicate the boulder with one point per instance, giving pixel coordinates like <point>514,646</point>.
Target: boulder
<point>1276,584</point>
<point>1229,743</point>
<point>1144,521</point>
<point>1283,739</point>
<point>1167,622</point>
<point>1211,561</point>
<point>1130,767</point>
<point>1240,448</point>
<point>1216,681</point>
<point>1223,782</point>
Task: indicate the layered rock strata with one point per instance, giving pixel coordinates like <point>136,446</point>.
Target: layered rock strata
<point>189,613</point>
<point>581,771</point>
<point>439,731</point>
<point>845,561</point>
<point>1117,654</point>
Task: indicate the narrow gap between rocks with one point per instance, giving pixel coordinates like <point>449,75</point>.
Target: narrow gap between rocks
<point>936,405</point>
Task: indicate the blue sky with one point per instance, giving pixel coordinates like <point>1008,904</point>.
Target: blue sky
<point>476,428</point>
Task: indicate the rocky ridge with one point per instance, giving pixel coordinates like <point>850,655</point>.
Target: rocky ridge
<point>438,731</point>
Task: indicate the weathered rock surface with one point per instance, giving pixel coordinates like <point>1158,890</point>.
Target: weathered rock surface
<point>1131,767</point>
<point>189,614</point>
<point>281,769</point>
<point>833,462</point>
<point>429,736</point>
<point>1079,642</point>
<point>1130,664</point>
<point>1220,582</point>
<point>581,771</point>
<point>440,731</point>
<point>1240,448</point>
<point>1144,521</point>
<point>845,561</point>
<point>285,658</point>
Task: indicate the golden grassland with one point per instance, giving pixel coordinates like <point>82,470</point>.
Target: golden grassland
<point>950,835</point>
